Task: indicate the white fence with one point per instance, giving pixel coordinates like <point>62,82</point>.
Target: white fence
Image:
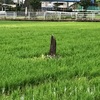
<point>86,15</point>
<point>51,15</point>
<point>3,14</point>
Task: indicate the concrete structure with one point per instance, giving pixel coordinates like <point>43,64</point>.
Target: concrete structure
<point>62,4</point>
<point>52,4</point>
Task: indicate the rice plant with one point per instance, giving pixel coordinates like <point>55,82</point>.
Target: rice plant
<point>26,73</point>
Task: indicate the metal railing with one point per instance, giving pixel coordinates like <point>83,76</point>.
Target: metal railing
<point>51,15</point>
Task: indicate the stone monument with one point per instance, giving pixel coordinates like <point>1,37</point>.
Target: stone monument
<point>52,51</point>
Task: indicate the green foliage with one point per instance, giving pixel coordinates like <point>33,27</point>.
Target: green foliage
<point>36,4</point>
<point>97,0</point>
<point>26,72</point>
<point>18,7</point>
<point>6,1</point>
<point>85,3</point>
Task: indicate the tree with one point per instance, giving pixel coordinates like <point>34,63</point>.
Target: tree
<point>85,4</point>
<point>27,3</point>
<point>8,1</point>
<point>36,4</point>
<point>1,1</point>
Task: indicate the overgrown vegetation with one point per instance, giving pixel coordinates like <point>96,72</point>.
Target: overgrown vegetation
<point>85,4</point>
<point>36,4</point>
<point>26,72</point>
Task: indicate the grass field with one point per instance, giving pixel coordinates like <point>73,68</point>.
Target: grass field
<point>25,74</point>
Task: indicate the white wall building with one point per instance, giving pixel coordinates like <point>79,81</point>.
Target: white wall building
<point>51,4</point>
<point>18,1</point>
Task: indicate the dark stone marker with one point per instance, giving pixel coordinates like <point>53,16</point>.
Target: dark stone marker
<point>52,51</point>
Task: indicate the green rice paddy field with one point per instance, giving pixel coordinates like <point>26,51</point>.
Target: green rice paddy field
<point>26,73</point>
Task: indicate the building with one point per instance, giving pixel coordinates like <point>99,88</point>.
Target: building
<point>18,1</point>
<point>52,5</point>
<point>62,5</point>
